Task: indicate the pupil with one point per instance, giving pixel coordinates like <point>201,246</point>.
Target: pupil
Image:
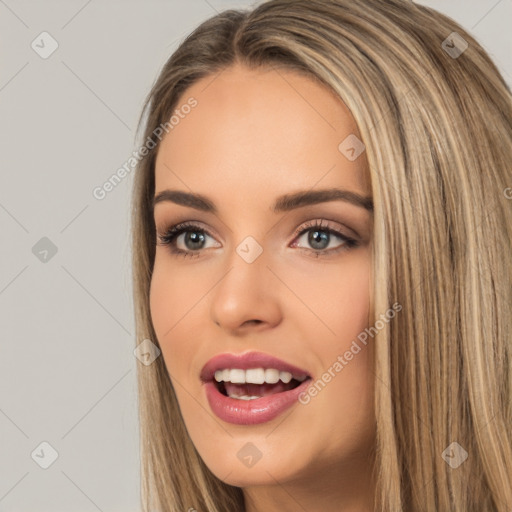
<point>194,237</point>
<point>313,238</point>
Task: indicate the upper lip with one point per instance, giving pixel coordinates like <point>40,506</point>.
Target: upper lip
<point>247,361</point>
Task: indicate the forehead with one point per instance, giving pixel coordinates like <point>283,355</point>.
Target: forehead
<point>266,130</point>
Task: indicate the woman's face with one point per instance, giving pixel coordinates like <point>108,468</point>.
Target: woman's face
<point>266,265</point>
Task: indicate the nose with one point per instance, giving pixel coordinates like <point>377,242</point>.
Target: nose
<point>246,296</point>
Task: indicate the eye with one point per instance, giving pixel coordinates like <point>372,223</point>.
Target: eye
<point>192,237</point>
<point>319,237</point>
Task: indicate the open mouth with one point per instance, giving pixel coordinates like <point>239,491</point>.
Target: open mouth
<point>279,382</point>
<point>253,387</point>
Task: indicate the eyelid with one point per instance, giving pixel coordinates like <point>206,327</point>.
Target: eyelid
<point>190,224</point>
<point>324,223</point>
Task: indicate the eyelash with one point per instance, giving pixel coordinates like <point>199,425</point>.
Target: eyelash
<point>169,237</point>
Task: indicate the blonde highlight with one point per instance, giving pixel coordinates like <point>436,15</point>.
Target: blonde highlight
<point>438,138</point>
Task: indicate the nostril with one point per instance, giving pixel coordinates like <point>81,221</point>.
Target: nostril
<point>251,322</point>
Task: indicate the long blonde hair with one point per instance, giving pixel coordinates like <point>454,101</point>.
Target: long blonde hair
<point>435,117</point>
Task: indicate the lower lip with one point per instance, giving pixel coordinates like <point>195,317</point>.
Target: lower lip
<point>251,412</point>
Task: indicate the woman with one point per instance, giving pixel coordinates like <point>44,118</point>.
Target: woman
<point>322,230</point>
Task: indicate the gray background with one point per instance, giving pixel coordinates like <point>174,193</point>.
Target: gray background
<point>68,122</point>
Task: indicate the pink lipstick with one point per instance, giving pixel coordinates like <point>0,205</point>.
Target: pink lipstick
<point>251,388</point>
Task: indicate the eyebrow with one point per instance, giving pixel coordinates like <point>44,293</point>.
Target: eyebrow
<point>283,203</point>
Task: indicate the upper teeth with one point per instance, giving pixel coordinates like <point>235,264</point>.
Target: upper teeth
<point>255,376</point>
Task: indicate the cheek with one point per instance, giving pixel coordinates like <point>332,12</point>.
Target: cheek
<point>337,297</point>
<point>169,301</point>
<point>162,301</point>
<point>352,388</point>
<point>353,293</point>
<point>350,320</point>
<point>172,293</point>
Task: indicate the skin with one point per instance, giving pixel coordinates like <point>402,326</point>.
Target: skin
<point>255,135</point>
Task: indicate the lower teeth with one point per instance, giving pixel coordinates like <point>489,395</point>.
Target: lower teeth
<point>245,397</point>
